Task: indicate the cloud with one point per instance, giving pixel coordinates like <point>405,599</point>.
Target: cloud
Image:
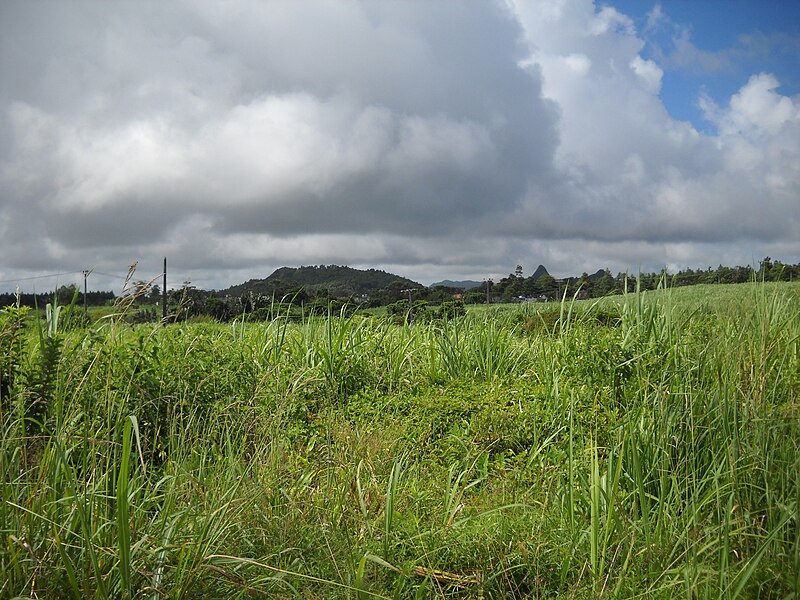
<point>673,45</point>
<point>442,142</point>
<point>630,171</point>
<point>277,119</point>
<point>757,109</point>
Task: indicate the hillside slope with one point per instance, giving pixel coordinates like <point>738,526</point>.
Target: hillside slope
<point>338,280</point>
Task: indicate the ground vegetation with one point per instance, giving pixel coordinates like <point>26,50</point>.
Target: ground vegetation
<point>639,446</point>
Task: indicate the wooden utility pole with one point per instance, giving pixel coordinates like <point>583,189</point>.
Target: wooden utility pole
<point>85,299</point>
<point>410,307</point>
<point>164,293</point>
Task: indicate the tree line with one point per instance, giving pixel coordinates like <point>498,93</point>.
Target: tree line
<point>516,287</point>
<point>284,297</point>
<point>62,296</point>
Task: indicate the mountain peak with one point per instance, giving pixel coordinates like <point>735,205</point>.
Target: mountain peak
<point>540,272</point>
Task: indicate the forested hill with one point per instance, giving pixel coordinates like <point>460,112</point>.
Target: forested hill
<point>467,284</point>
<point>339,281</point>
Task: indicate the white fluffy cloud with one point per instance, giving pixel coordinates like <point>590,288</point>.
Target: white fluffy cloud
<point>632,172</point>
<point>440,141</point>
<point>757,110</point>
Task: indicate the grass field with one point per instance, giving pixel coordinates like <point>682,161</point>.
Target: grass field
<point>645,446</point>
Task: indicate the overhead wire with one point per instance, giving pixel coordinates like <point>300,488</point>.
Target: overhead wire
<point>109,274</point>
<point>172,281</point>
<point>39,277</point>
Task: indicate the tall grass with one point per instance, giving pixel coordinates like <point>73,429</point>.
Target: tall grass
<point>646,446</point>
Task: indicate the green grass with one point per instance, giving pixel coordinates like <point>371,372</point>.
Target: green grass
<point>644,446</point>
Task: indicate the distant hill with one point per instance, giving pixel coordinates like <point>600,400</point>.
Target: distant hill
<point>339,281</point>
<point>467,284</point>
<point>540,272</point>
<point>598,275</point>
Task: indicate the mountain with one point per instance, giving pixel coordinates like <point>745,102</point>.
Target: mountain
<point>339,281</point>
<point>467,284</point>
<point>597,275</point>
<point>540,272</point>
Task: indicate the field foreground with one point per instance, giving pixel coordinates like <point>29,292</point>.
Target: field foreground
<point>644,446</point>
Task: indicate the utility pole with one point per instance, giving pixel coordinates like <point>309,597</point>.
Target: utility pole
<point>85,299</point>
<point>488,283</point>
<point>164,293</point>
<point>410,307</point>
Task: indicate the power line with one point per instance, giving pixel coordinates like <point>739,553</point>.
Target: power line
<point>177,282</point>
<point>81,272</point>
<point>109,274</point>
<point>40,277</point>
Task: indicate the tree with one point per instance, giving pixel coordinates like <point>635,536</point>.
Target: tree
<point>66,293</point>
<point>765,267</point>
<point>605,284</point>
<point>546,285</point>
<point>155,294</point>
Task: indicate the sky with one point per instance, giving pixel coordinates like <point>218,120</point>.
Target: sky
<point>432,139</point>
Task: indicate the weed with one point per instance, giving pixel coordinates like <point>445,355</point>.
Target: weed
<point>641,446</point>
